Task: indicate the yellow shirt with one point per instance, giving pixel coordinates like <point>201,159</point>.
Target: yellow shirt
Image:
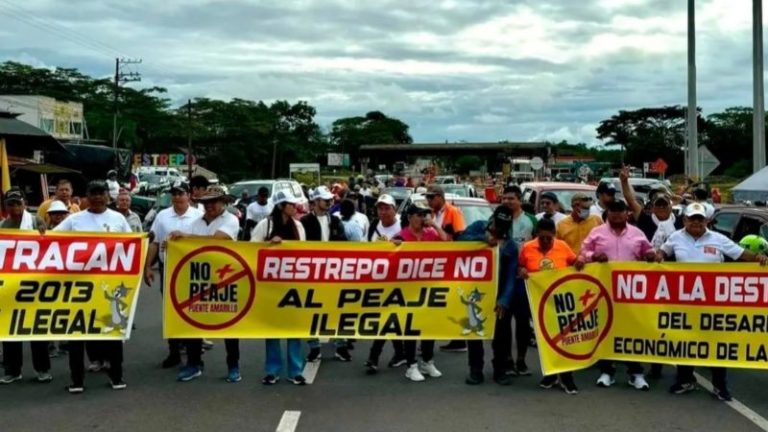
<point>42,211</point>
<point>574,233</point>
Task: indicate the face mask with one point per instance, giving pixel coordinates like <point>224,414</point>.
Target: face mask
<point>584,213</point>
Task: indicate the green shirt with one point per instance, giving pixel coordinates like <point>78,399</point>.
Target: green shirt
<point>12,224</point>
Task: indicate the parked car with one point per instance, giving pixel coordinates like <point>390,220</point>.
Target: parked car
<point>641,186</point>
<point>737,221</point>
<point>290,187</point>
<point>463,190</point>
<point>473,209</point>
<point>445,180</point>
<point>564,191</point>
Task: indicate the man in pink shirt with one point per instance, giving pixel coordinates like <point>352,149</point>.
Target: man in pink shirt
<point>616,240</point>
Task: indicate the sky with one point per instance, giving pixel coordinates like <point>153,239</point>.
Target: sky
<point>454,70</point>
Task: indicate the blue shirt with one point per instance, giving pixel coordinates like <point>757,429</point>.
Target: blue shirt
<point>507,261</point>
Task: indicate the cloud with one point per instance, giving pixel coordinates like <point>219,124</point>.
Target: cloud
<point>484,70</point>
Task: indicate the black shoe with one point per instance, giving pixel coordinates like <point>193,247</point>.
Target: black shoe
<point>722,394</point>
<point>298,380</point>
<point>682,388</point>
<point>522,368</point>
<point>568,386</point>
<point>171,361</point>
<point>118,385</point>
<point>270,380</point>
<point>510,368</point>
<point>314,355</point>
<point>75,389</point>
<point>502,379</point>
<point>371,368</point>
<point>397,361</point>
<point>548,381</point>
<point>455,346</point>
<point>342,354</point>
<point>474,378</point>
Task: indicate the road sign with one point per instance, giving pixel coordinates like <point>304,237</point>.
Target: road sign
<point>707,162</point>
<point>537,163</point>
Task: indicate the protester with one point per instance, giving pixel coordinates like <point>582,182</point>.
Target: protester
<point>63,194</point>
<point>697,244</point>
<point>700,195</point>
<point>616,240</point>
<point>198,185</point>
<point>320,225</point>
<point>357,217</point>
<point>577,226</point>
<point>543,253</point>
<point>13,356</point>
<point>114,185</point>
<point>551,208</point>
<point>606,194</point>
<point>258,210</point>
<point>495,232</point>
<point>353,230</point>
<point>178,217</point>
<point>98,218</point>
<point>661,222</point>
<point>282,225</point>
<point>422,228</point>
<point>215,223</point>
<point>57,212</point>
<point>386,228</point>
<point>123,207</point>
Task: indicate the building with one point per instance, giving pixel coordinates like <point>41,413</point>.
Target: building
<point>62,120</point>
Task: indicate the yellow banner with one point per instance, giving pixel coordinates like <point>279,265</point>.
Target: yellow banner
<point>316,290</point>
<point>683,314</point>
<point>66,286</point>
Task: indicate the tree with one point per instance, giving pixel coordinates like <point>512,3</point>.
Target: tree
<point>348,134</point>
<point>467,163</point>
<point>729,138</point>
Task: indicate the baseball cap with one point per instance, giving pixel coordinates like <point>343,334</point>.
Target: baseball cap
<point>417,209</point>
<point>283,198</point>
<point>322,193</point>
<point>57,207</point>
<point>605,188</point>
<point>386,199</point>
<point>435,190</point>
<point>180,186</point>
<point>97,187</point>
<point>580,196</point>
<point>616,206</point>
<point>695,209</point>
<point>14,195</point>
<point>550,196</point>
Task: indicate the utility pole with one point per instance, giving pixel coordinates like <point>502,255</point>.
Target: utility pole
<point>189,138</point>
<point>121,77</point>
<point>692,164</point>
<point>758,121</point>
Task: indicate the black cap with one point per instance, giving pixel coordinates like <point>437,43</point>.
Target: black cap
<point>616,206</point>
<point>97,187</point>
<point>550,196</point>
<point>417,209</point>
<point>14,195</point>
<point>180,186</point>
<point>607,188</point>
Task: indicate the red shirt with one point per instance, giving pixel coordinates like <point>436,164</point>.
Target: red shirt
<point>427,234</point>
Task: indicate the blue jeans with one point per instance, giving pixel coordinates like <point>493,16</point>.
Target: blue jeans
<point>338,343</point>
<point>274,363</point>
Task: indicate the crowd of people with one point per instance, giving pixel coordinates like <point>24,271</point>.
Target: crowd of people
<point>598,229</point>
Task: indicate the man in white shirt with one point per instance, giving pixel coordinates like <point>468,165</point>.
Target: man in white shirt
<point>697,244</point>
<point>388,225</point>
<point>178,217</point>
<point>550,206</point>
<point>98,218</point>
<point>215,223</point>
<point>114,185</point>
<point>258,210</point>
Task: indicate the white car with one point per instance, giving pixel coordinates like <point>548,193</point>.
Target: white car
<point>290,187</point>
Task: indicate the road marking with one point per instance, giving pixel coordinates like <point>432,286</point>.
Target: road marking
<point>310,371</point>
<point>289,421</point>
<point>739,407</point>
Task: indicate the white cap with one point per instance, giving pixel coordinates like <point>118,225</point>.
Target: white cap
<point>322,193</point>
<point>284,198</point>
<point>421,190</point>
<point>58,207</point>
<point>386,199</point>
<point>695,209</point>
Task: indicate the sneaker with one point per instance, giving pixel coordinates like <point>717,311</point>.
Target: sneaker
<point>510,368</point>
<point>188,373</point>
<point>474,378</point>
<point>456,346</point>
<point>75,389</point>
<point>314,355</point>
<point>96,366</point>
<point>682,388</point>
<point>371,368</point>
<point>413,373</point>
<point>428,368</point>
<point>568,386</point>
<point>605,380</point>
<point>397,361</point>
<point>8,379</point>
<point>118,385</point>
<point>342,354</point>
<point>502,379</point>
<point>171,361</point>
<point>207,345</point>
<point>53,352</point>
<point>722,394</point>
<point>234,375</point>
<point>638,382</point>
<point>44,377</point>
<point>522,368</point>
<point>298,380</point>
<point>270,380</point>
<point>548,381</point>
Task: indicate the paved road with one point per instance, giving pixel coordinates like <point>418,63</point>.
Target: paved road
<point>342,398</point>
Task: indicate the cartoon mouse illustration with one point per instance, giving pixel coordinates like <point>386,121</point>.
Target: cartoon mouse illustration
<point>117,306</point>
<point>475,319</point>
